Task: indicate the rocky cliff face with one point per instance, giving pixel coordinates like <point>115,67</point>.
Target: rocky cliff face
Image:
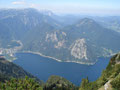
<point>79,49</point>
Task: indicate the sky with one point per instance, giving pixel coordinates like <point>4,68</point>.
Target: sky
<point>100,7</point>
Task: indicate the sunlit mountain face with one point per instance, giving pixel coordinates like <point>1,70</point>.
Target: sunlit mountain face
<point>83,41</point>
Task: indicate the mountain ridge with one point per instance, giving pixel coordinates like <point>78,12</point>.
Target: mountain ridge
<point>83,41</point>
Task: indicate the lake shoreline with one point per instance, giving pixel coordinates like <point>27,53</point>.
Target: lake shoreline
<point>37,53</point>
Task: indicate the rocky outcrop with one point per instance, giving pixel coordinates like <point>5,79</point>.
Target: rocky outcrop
<point>79,49</point>
<point>51,37</point>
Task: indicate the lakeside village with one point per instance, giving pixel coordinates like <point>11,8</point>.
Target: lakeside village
<point>8,53</point>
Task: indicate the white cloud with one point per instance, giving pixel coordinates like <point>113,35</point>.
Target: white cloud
<point>24,4</point>
<point>19,3</point>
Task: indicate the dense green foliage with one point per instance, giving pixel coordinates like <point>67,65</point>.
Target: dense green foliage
<point>84,84</point>
<point>54,83</point>
<point>3,78</point>
<point>20,84</point>
<point>116,83</point>
<point>59,83</point>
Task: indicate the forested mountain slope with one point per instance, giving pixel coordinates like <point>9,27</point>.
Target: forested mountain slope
<point>81,42</point>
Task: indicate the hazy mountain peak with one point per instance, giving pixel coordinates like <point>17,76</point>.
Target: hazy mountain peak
<point>86,22</point>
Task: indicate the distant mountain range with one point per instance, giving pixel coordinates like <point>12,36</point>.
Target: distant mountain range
<point>82,41</point>
<point>111,22</point>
